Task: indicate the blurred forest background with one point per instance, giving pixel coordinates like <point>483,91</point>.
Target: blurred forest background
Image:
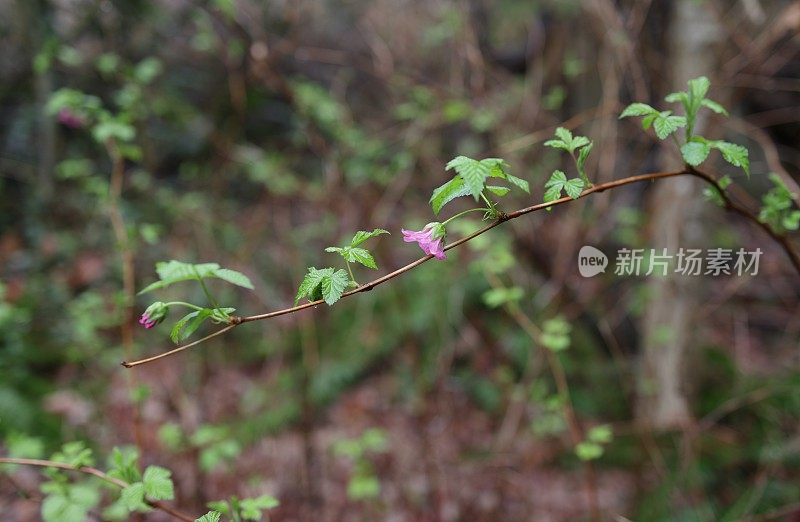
<point>254,134</point>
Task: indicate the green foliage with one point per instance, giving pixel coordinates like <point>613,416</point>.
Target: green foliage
<point>123,464</point>
<point>211,516</point>
<point>75,454</point>
<point>555,334</point>
<point>593,447</point>
<point>68,502</point>
<point>696,148</point>
<point>470,179</point>
<point>777,207</point>
<point>216,446</point>
<point>173,272</point>
<point>244,509</point>
<point>363,483</point>
<point>496,297</point>
<point>156,484</point>
<point>327,283</point>
<point>352,253</point>
<point>558,182</point>
<point>713,195</point>
<point>567,142</point>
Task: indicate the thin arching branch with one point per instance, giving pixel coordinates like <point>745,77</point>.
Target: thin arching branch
<point>729,204</point>
<point>88,470</point>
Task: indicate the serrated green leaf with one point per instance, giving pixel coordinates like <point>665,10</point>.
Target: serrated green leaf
<point>363,235</point>
<point>647,121</point>
<point>362,256</point>
<point>333,286</point>
<point>124,464</point>
<point>233,277</point>
<point>446,193</point>
<point>734,154</point>
<point>677,97</point>
<point>557,178</point>
<point>133,497</point>
<point>474,174</point>
<point>578,142</point>
<point>574,187</point>
<point>311,283</point>
<point>582,156</point>
<point>211,516</point>
<point>173,271</point>
<point>500,191</point>
<point>251,508</point>
<point>564,135</point>
<point>157,483</point>
<point>714,106</point>
<point>698,88</point>
<point>666,123</point>
<point>557,144</point>
<point>694,153</point>
<point>518,182</point>
<point>177,329</point>
<point>637,109</point>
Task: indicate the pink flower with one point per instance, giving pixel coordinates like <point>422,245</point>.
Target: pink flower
<point>70,119</point>
<point>154,314</point>
<point>430,239</point>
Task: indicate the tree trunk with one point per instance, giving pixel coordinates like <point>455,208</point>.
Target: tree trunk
<point>676,222</point>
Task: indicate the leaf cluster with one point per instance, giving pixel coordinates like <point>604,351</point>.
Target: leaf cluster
<point>558,182</point>
<point>695,148</point>
<point>470,180</point>
<point>172,272</point>
<point>777,207</point>
<point>352,253</point>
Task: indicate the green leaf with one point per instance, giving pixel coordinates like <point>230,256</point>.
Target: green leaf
<point>333,286</point>
<point>233,277</point>
<point>601,434</point>
<point>188,324</point>
<point>500,191</point>
<point>363,235</point>
<point>714,106</point>
<point>578,142</point>
<point>362,256</point>
<point>71,504</point>
<point>694,153</point>
<point>555,334</point>
<point>133,497</point>
<point>558,181</point>
<point>473,172</point>
<point>588,451</point>
<point>666,123</point>
<point>637,109</point>
<point>734,154</point>
<point>251,508</point>
<point>177,271</point>
<point>211,516</point>
<point>157,483</point>
<point>500,296</point>
<point>582,156</point>
<point>518,182</point>
<point>338,250</point>
<point>677,97</point>
<point>574,187</point>
<point>647,121</point>
<point>564,135</point>
<point>124,464</point>
<point>310,283</point>
<point>557,144</point>
<point>698,88</point>
<point>448,192</point>
<point>74,453</point>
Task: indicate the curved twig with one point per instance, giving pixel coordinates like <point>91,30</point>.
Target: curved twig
<point>781,239</point>
<point>161,506</point>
